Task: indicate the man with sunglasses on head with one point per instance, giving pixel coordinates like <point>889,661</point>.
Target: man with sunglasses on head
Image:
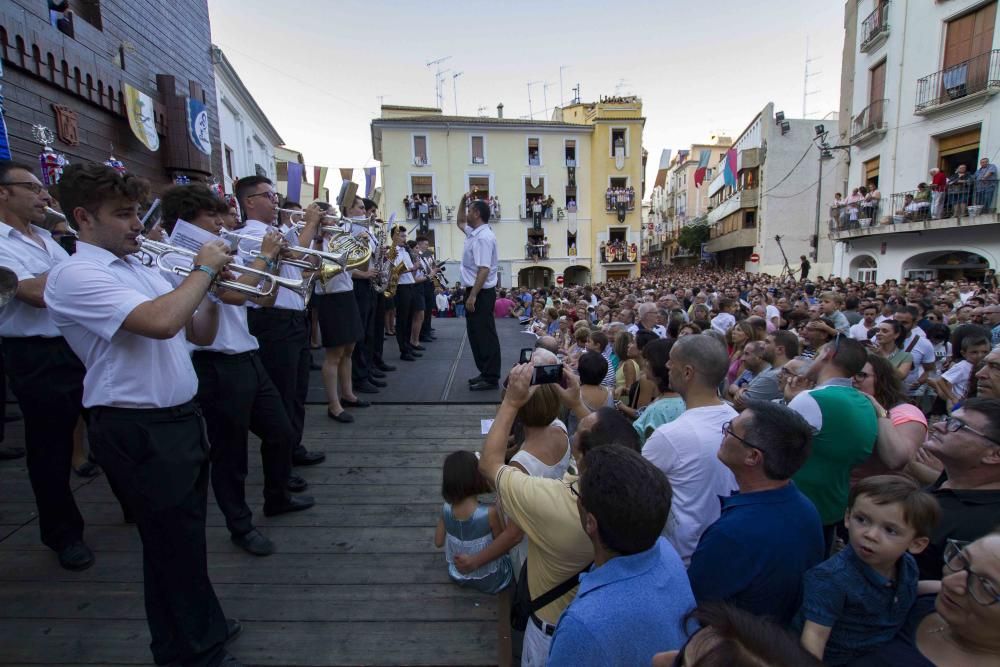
<point>282,330</point>
<point>44,373</point>
<point>967,443</point>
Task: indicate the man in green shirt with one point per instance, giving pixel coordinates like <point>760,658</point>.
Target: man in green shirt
<point>845,425</point>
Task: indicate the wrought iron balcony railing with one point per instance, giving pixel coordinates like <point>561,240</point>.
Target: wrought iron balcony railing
<point>869,121</point>
<point>976,75</point>
<point>875,25</point>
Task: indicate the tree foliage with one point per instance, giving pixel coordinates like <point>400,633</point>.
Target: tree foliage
<point>692,236</point>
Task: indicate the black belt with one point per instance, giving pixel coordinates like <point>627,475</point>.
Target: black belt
<point>34,340</point>
<point>212,355</point>
<point>182,410</point>
<point>279,313</point>
<point>546,628</point>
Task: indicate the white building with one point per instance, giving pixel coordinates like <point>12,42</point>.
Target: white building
<point>923,86</point>
<point>248,139</point>
<point>777,171</point>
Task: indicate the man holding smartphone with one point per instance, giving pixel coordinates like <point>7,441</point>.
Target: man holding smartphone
<point>479,277</point>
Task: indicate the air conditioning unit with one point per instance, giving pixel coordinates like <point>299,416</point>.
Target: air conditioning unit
<point>478,160</point>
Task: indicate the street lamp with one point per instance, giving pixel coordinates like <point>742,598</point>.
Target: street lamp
<point>825,153</point>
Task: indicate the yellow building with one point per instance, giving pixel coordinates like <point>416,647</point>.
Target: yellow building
<point>514,163</point>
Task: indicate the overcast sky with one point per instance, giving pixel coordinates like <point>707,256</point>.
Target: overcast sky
<point>317,68</point>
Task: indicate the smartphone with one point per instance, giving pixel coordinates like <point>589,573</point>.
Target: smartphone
<point>548,374</point>
<point>526,353</point>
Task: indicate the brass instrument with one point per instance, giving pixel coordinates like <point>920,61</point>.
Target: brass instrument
<point>154,253</point>
<point>356,250</point>
<point>381,266</point>
<point>395,271</point>
<point>330,264</point>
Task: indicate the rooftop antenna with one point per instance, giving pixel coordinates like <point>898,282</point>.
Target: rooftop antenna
<point>454,88</point>
<point>545,97</point>
<point>805,81</point>
<point>622,83</point>
<point>531,113</point>
<point>438,92</point>
<point>561,68</point>
<point>381,100</point>
<point>576,94</point>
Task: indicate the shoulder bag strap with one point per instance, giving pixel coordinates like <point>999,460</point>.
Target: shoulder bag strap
<point>552,595</point>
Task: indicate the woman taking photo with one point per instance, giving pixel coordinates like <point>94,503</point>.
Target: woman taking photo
<point>889,337</point>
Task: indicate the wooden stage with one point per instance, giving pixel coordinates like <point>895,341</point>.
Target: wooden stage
<point>356,580</point>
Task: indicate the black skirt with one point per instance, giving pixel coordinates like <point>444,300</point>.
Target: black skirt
<point>418,297</point>
<point>339,318</point>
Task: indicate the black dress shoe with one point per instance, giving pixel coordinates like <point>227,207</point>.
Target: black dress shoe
<point>233,629</point>
<point>296,484</point>
<point>416,353</point>
<point>378,383</point>
<point>406,356</point>
<point>87,470</point>
<point>385,368</point>
<point>344,417</point>
<point>360,403</point>
<point>418,347</point>
<point>293,504</point>
<point>11,453</point>
<point>483,385</point>
<point>254,543</point>
<point>76,556</point>
<point>313,366</point>
<point>478,378</point>
<point>366,387</point>
<point>426,339</point>
<point>375,373</point>
<point>307,458</point>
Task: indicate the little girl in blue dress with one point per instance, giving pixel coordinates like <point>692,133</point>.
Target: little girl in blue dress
<point>467,526</point>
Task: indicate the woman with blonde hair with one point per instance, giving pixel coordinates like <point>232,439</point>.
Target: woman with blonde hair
<point>737,337</point>
<point>628,369</point>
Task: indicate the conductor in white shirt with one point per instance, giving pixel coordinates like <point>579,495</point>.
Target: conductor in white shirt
<point>44,373</point>
<point>479,277</point>
<point>128,326</point>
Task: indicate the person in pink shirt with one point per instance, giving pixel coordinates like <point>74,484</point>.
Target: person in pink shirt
<point>503,306</point>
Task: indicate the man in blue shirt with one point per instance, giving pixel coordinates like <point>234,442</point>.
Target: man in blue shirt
<point>632,604</point>
<point>770,529</point>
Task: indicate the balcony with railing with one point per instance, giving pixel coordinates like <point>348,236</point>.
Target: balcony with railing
<point>967,81</point>
<point>875,27</point>
<point>745,198</point>
<point>618,252</point>
<point>870,123</point>
<point>964,203</point>
<point>529,213</point>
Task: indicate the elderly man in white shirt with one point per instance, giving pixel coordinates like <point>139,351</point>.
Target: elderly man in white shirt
<point>44,373</point>
<point>124,320</point>
<point>479,277</point>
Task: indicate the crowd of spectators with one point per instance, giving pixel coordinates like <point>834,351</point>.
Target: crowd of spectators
<point>736,470</point>
<point>422,207</point>
<point>617,198</point>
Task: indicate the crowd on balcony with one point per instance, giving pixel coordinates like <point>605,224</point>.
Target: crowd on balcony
<point>536,250</point>
<point>540,207</point>
<point>618,250</point>
<point>422,207</point>
<point>758,455</point>
<point>618,198</point>
<point>962,193</point>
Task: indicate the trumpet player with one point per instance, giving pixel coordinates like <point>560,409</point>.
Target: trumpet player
<point>45,375</point>
<point>234,390</point>
<point>282,330</point>
<point>340,328</point>
<point>405,295</point>
<point>128,324</point>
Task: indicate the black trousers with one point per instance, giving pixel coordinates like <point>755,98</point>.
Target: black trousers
<point>157,460</point>
<point>236,395</point>
<point>283,336</point>
<point>361,357</point>
<point>404,316</point>
<point>376,344</point>
<point>47,379</point>
<point>482,330</point>
<point>428,287</point>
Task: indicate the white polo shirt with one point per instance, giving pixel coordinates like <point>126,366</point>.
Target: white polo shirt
<point>90,296</point>
<point>480,250</point>
<point>923,353</point>
<point>233,336</point>
<point>286,299</point>
<point>28,260</point>
<point>403,257</point>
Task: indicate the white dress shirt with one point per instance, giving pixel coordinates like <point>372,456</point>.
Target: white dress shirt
<point>286,298</point>
<point>859,331</point>
<point>480,250</point>
<point>403,257</point>
<point>28,260</point>
<point>233,336</point>
<point>90,296</point>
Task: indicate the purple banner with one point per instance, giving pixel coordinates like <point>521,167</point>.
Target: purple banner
<point>369,181</point>
<point>295,171</point>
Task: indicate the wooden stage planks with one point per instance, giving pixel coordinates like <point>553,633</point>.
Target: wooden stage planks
<point>356,580</point>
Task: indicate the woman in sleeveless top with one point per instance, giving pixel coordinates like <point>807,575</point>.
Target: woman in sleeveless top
<point>628,370</point>
<point>592,367</point>
<point>668,404</point>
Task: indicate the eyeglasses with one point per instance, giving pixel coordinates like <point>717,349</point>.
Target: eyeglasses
<point>727,429</point>
<point>982,590</point>
<point>954,424</point>
<point>31,185</point>
<point>861,376</point>
<point>270,194</point>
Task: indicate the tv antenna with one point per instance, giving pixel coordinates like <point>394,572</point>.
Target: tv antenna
<point>454,88</point>
<point>545,97</point>
<point>531,113</point>
<point>561,68</point>
<point>438,91</point>
<point>576,94</point>
<point>481,111</point>
<point>805,81</point>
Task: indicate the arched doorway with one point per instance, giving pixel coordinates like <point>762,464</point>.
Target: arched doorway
<point>946,265</point>
<point>864,269</point>
<point>576,275</point>
<point>535,277</point>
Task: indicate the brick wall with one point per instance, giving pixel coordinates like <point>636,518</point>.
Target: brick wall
<point>44,67</point>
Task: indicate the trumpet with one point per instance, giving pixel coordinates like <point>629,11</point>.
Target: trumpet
<point>340,259</point>
<point>154,253</point>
